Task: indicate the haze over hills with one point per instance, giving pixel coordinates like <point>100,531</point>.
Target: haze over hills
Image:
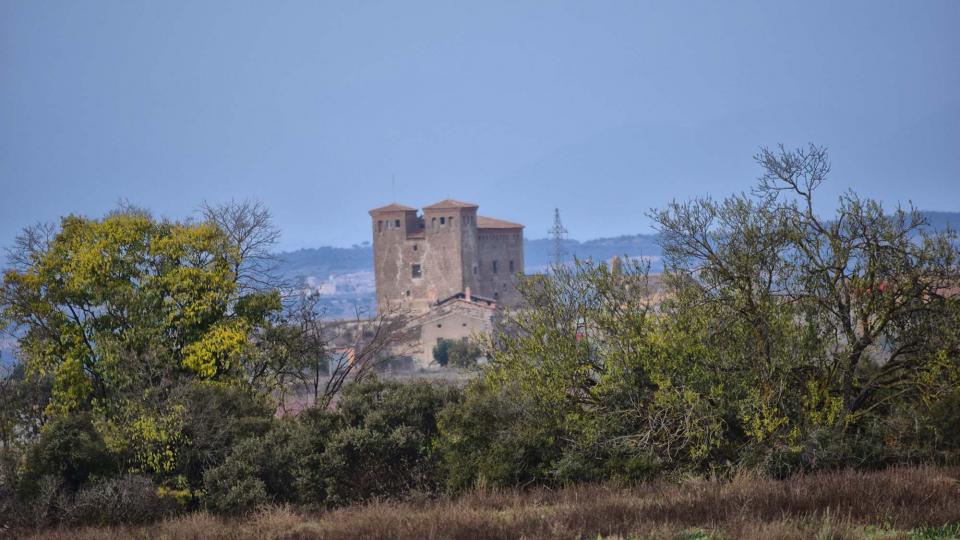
<point>344,276</point>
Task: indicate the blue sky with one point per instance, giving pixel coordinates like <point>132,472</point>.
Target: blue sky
<point>603,109</point>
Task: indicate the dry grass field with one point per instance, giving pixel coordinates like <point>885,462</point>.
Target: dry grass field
<point>922,502</point>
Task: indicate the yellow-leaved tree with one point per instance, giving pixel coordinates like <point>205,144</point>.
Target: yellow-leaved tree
<point>121,311</point>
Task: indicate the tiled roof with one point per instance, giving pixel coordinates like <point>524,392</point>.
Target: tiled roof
<point>450,203</point>
<point>480,300</point>
<point>484,222</point>
<point>393,207</point>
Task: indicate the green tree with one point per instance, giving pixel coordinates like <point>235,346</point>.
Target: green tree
<point>122,310</point>
<point>441,352</point>
<point>464,354</point>
<point>820,323</point>
<point>572,373</point>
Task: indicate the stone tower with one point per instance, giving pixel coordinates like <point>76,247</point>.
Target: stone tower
<point>421,259</point>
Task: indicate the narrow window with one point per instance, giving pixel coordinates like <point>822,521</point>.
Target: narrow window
<point>415,271</point>
<point>511,267</point>
<point>396,223</point>
<point>443,220</point>
<point>494,267</point>
<point>496,296</point>
<point>408,292</point>
<point>511,262</point>
<point>439,325</point>
<point>380,226</point>
<point>474,269</point>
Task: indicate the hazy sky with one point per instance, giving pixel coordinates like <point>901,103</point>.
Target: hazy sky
<point>601,108</point>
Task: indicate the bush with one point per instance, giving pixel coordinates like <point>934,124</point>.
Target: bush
<point>488,440</point>
<point>216,417</point>
<point>460,353</point>
<point>129,499</point>
<point>378,444</point>
<point>386,449</point>
<point>441,352</point>
<point>70,451</point>
<point>235,487</point>
<point>316,428</point>
<point>8,481</point>
<point>463,354</point>
<point>269,467</point>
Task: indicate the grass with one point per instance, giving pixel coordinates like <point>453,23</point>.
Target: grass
<point>910,503</point>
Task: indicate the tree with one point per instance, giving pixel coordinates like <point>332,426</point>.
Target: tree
<point>23,397</point>
<point>778,338</point>
<point>248,225</point>
<point>572,370</point>
<point>828,319</point>
<point>334,354</point>
<point>460,353</point>
<point>120,311</point>
<point>441,352</point>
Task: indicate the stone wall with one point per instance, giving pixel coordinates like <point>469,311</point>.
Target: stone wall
<point>422,259</point>
<point>500,261</point>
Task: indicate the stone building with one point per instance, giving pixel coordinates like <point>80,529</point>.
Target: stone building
<point>422,258</point>
<point>460,316</point>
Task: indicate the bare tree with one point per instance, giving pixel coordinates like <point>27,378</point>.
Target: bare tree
<point>316,357</point>
<point>32,242</point>
<point>250,228</point>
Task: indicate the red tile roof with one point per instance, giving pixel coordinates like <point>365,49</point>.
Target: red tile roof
<point>484,222</point>
<point>450,203</point>
<point>393,207</point>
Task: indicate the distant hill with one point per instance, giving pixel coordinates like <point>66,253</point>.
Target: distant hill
<point>344,276</point>
<point>325,261</point>
<point>538,254</point>
<point>940,221</point>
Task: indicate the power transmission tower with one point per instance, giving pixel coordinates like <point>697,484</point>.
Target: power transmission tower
<point>559,236</point>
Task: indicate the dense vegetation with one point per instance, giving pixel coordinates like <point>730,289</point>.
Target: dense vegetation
<point>895,504</point>
<point>156,356</point>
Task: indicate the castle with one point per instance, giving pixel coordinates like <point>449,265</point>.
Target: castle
<point>447,266</point>
<point>422,259</point>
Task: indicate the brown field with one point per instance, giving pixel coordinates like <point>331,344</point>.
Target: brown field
<point>922,502</point>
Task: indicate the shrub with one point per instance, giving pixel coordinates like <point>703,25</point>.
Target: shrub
<point>945,423</point>
<point>70,450</point>
<point>129,499</point>
<point>235,487</point>
<point>316,429</point>
<point>47,503</point>
<point>488,439</point>
<point>269,465</point>
<point>463,354</point>
<point>386,449</point>
<point>216,417</point>
<point>8,480</point>
<point>441,352</point>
